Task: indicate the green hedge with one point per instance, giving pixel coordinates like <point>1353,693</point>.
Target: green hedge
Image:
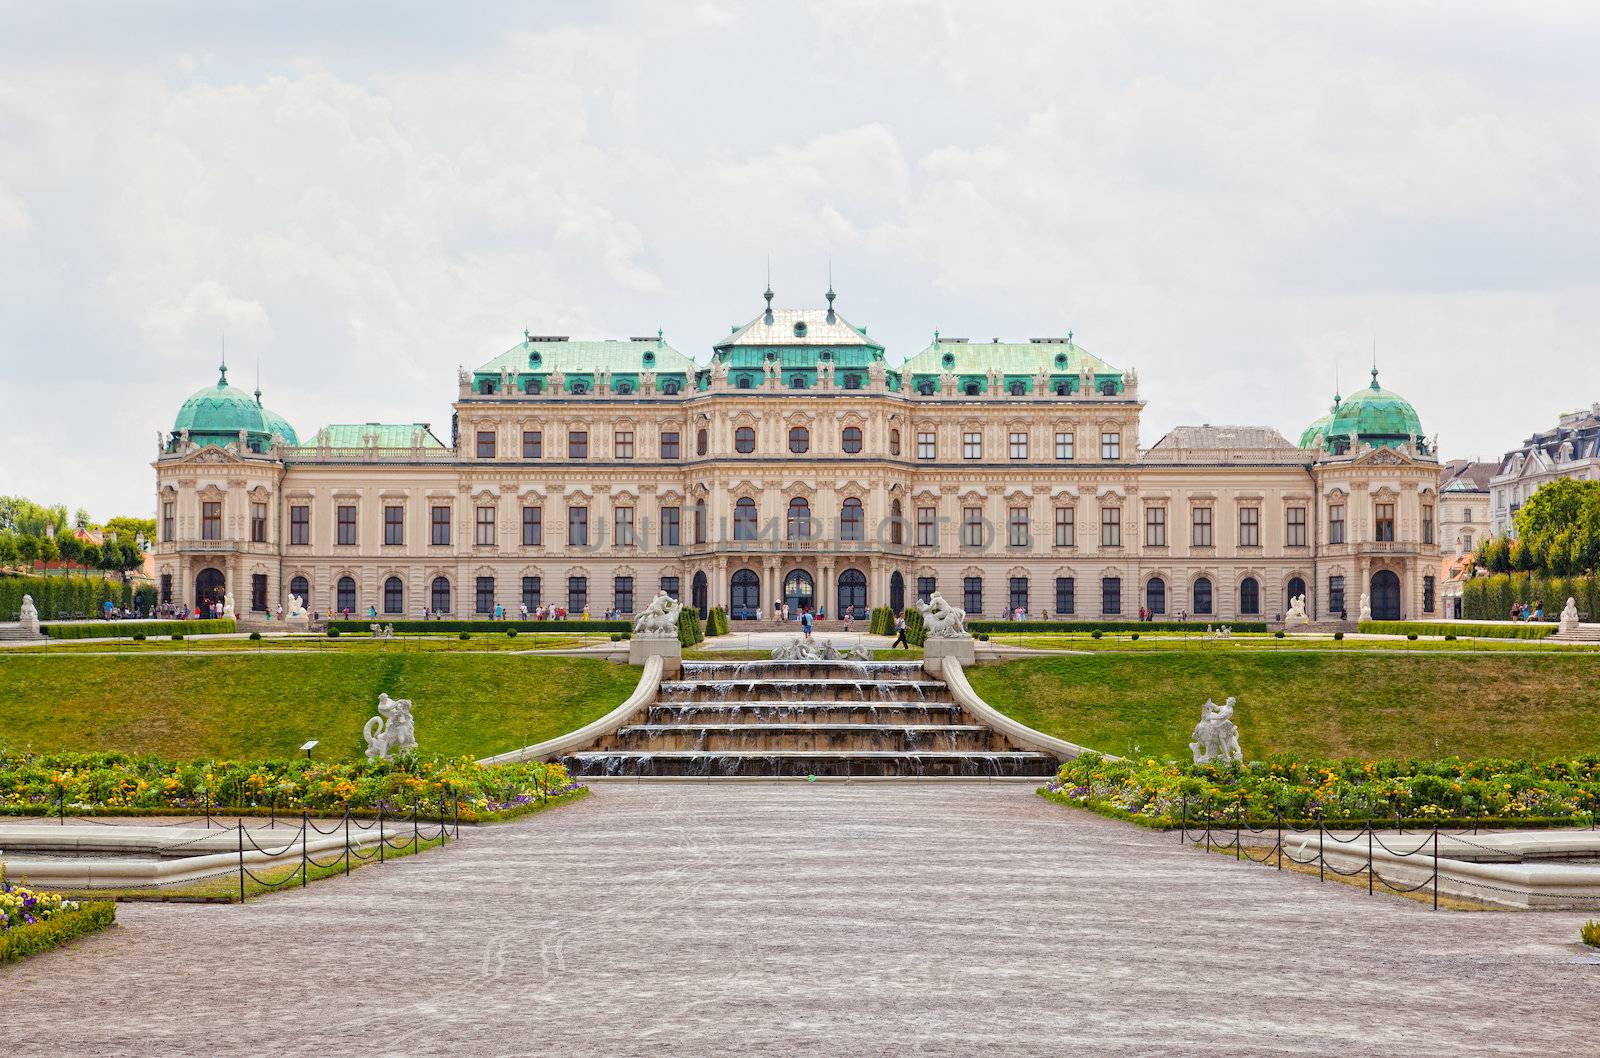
<point>66,597</point>
<point>881,622</point>
<point>1491,598</point>
<point>993,627</point>
<point>1506,630</point>
<point>125,629</point>
<point>59,928</point>
<point>717,623</point>
<point>689,630</point>
<point>366,624</point>
<point>916,628</point>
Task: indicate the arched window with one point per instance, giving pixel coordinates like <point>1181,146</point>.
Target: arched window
<point>799,439</point>
<point>1062,389</point>
<point>852,519</point>
<point>346,599</point>
<point>852,439</point>
<point>1155,595</point>
<point>699,521</point>
<point>797,382</point>
<point>1017,389</point>
<point>580,386</point>
<point>853,592</point>
<point>534,386</point>
<point>800,329</point>
<point>852,382</point>
<point>744,519</point>
<point>897,532</point>
<point>624,387</point>
<point>1202,596</point>
<point>1295,589</point>
<point>744,382</point>
<point>744,596</point>
<point>744,440</point>
<point>894,442</point>
<point>1108,389</point>
<point>670,387</point>
<point>299,586</point>
<point>799,519</point>
<point>394,596</point>
<point>1249,596</point>
<point>697,593</point>
<point>925,388</point>
<point>970,389</point>
<point>439,593</point>
<point>485,386</point>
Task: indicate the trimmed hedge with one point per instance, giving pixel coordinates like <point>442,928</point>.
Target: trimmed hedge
<point>689,630</point>
<point>60,927</point>
<point>68,597</point>
<point>916,628</point>
<point>480,626</point>
<point>1491,598</point>
<point>1452,628</point>
<point>717,623</point>
<point>882,622</point>
<point>1112,626</point>
<point>127,629</point>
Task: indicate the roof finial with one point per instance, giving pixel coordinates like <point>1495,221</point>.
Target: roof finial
<point>1336,397</point>
<point>258,381</point>
<point>661,335</point>
<point>222,368</point>
<point>1374,361</point>
<point>1069,336</point>
<point>831,294</point>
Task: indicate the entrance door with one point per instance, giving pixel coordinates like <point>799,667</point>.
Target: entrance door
<point>799,590</point>
<point>1385,596</point>
<point>697,595</point>
<point>853,593</point>
<point>744,596</point>
<point>897,591</point>
<point>209,587</point>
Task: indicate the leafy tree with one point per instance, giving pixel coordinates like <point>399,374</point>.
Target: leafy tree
<point>28,548</point>
<point>8,546</point>
<point>81,519</point>
<point>71,548</point>
<point>89,555</point>
<point>128,529</point>
<point>49,550</point>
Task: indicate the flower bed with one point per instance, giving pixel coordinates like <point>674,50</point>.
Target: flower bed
<point>123,784</point>
<point>32,921</point>
<point>1160,793</point>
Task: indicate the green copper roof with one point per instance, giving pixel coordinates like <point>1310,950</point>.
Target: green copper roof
<point>1057,358</point>
<point>216,414</point>
<point>1376,416</point>
<point>375,435</point>
<point>536,358</point>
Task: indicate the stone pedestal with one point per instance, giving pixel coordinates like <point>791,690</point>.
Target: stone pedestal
<point>934,651</point>
<point>669,650</point>
<point>1296,621</point>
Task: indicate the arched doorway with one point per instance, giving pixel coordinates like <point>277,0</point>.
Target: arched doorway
<point>744,596</point>
<point>1385,599</point>
<point>697,595</point>
<point>301,587</point>
<point>1155,596</point>
<point>1249,596</point>
<point>799,590</point>
<point>1296,588</point>
<point>897,592</point>
<point>209,587</point>
<point>853,592</point>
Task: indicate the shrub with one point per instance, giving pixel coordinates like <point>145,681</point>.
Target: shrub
<point>333,633</point>
<point>1338,635</point>
<point>436,627</point>
<point>1134,636</point>
<point>1450,637</point>
<point>689,630</point>
<point>1106,626</point>
<point>1278,634</point>
<point>916,628</point>
<point>138,637</point>
<point>1097,633</point>
<point>982,637</point>
<point>717,622</point>
<point>511,633</point>
<point>1411,636</point>
<point>177,637</point>
<point>1591,933</point>
<point>255,635</point>
<point>67,597</point>
<point>123,629</point>
<point>616,637</point>
<point>881,622</point>
<point>464,635</point>
<point>1506,630</point>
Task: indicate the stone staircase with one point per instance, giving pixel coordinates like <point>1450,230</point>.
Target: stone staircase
<point>12,632</point>
<point>1584,633</point>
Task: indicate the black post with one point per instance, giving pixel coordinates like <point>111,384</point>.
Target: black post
<point>1183,832</point>
<point>1369,857</point>
<point>347,841</point>
<point>273,825</point>
<point>443,833</point>
<point>1322,875</point>
<point>414,826</point>
<point>241,861</point>
<point>455,811</point>
<point>61,806</point>
<point>205,799</point>
<point>1436,866</point>
<point>1280,839</point>
<point>305,825</point>
<point>1238,832</point>
<point>380,831</point>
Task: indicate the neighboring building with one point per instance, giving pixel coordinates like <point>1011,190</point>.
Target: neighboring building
<point>799,465</point>
<point>1571,450</point>
<point>1463,525</point>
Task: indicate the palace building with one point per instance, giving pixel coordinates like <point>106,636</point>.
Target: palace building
<point>802,463</point>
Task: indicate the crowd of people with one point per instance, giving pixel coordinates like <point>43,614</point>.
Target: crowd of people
<point>1523,611</point>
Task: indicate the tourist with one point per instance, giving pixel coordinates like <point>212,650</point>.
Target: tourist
<point>849,611</point>
<point>805,623</point>
<point>900,631</point>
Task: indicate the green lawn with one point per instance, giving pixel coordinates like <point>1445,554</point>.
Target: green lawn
<point>1320,703</point>
<point>1161,641</point>
<point>267,705</point>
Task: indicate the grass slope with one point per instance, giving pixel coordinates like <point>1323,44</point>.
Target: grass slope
<point>266,706</point>
<point>1324,704</point>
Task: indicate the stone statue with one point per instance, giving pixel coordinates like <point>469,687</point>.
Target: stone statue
<point>800,648</point>
<point>382,631</point>
<point>1366,607</point>
<point>659,620</point>
<point>943,621</point>
<point>29,616</point>
<point>1297,612</point>
<point>1569,616</point>
<point>1216,737</point>
<point>392,730</point>
<point>297,608</point>
<point>227,605</point>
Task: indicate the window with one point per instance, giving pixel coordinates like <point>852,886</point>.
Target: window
<point>799,439</point>
<point>345,593</point>
<point>744,519</point>
<point>669,444</point>
<point>1336,524</point>
<point>1155,595</point>
<point>1336,595</point>
<point>1427,527</point>
<point>1427,593</point>
<point>1017,594</point>
<point>972,527</point>
<point>1249,526</point>
<point>1111,527</point>
<point>577,444</point>
<point>971,389</point>
<point>211,520</point>
<point>670,586</point>
<point>700,521</point>
<point>1110,445</point>
<point>169,517</point>
<point>897,532</point>
<point>927,527</point>
<point>799,519</point>
<point>485,527</point>
<point>1066,527</point>
<point>533,527</point>
<point>700,442</point>
<point>623,519</point>
<point>1063,445</point>
<point>1202,527</point>
<point>926,586</point>
<point>1017,527</point>
<point>299,525</point>
<point>1155,526</point>
<point>851,439</point>
<point>1249,596</point>
<point>1017,389</point>
<point>744,440</point>
<point>1111,596</point>
<point>972,594</point>
<point>166,587</point>
<point>925,388</point>
<point>532,444</point>
<point>485,386</point>
<point>852,520</point>
<point>577,526</point>
<point>1202,596</point>
<point>622,444</point>
<point>440,595</point>
<point>927,445</point>
<point>972,445</point>
<point>671,531</point>
<point>483,600</point>
<point>347,525</point>
<point>486,439</point>
<point>1383,522</point>
<point>258,592</point>
<point>894,442</point>
<point>1295,527</point>
<point>394,525</point>
<point>670,387</point>
<point>577,594</point>
<point>1019,445</point>
<point>1066,595</point>
<point>440,526</point>
<point>258,523</point>
<point>394,596</point>
<point>622,594</point>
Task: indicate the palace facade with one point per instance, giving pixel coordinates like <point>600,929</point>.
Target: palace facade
<point>799,464</point>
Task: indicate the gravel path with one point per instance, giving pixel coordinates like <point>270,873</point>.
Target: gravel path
<point>801,920</point>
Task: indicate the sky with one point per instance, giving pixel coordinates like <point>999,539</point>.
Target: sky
<point>1242,201</point>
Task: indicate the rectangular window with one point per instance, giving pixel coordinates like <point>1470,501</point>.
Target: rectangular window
<point>700,522</point>
<point>1336,524</point>
<point>1383,522</point>
<point>1295,527</point>
<point>532,444</point>
<point>258,592</point>
<point>394,526</point>
<point>1335,595</point>
<point>258,523</point>
<point>299,525</point>
<point>1066,527</point>
<point>169,517</point>
<point>622,444</point>
<point>484,597</point>
<point>1110,445</point>
<point>485,527</point>
<point>669,445</point>
<point>972,527</point>
<point>927,527</point>
<point>577,595</point>
<point>670,586</point>
<point>1111,596</point>
<point>578,444</point>
<point>1111,527</point>
<point>485,444</point>
<point>347,524</point>
<point>577,526</point>
<point>1063,445</point>
<point>972,594</point>
<point>926,586</point>
<point>533,527</point>
<point>1202,527</point>
<point>1155,526</point>
<point>1017,594</point>
<point>972,446</point>
<point>622,594</point>
<point>1017,527</point>
<point>1249,526</point>
<point>1066,596</point>
<point>623,517</point>
<point>1427,528</point>
<point>1427,593</point>
<point>1019,445</point>
<point>211,520</point>
<point>166,587</point>
<point>532,592</point>
<point>927,445</point>
<point>439,526</point>
<point>671,530</point>
<point>700,443</point>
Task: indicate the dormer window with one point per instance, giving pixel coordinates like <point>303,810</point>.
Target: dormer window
<point>852,382</point>
<point>1061,359</point>
<point>1108,389</point>
<point>535,359</point>
<point>948,360</point>
<point>970,389</point>
<point>534,386</point>
<point>797,382</point>
<point>485,387</point>
<point>744,381</point>
<point>649,358</point>
<point>670,387</point>
<point>1017,389</point>
<point>580,386</point>
<point>1062,389</point>
<point>800,329</point>
<point>925,388</point>
<point>624,387</point>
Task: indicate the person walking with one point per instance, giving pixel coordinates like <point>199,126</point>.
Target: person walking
<point>805,623</point>
<point>900,632</point>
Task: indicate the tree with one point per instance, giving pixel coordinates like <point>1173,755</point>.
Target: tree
<point>129,529</point>
<point>81,519</point>
<point>8,546</point>
<point>28,548</point>
<point>71,548</point>
<point>89,555</point>
<point>49,550</point>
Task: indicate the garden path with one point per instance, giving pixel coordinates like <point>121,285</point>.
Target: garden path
<point>811,919</point>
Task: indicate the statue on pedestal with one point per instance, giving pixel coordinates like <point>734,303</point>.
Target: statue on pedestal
<point>1569,616</point>
<point>1216,737</point>
<point>1297,612</point>
<point>297,608</point>
<point>659,620</point>
<point>943,621</point>
<point>392,730</point>
<point>1366,607</point>
<point>29,616</point>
